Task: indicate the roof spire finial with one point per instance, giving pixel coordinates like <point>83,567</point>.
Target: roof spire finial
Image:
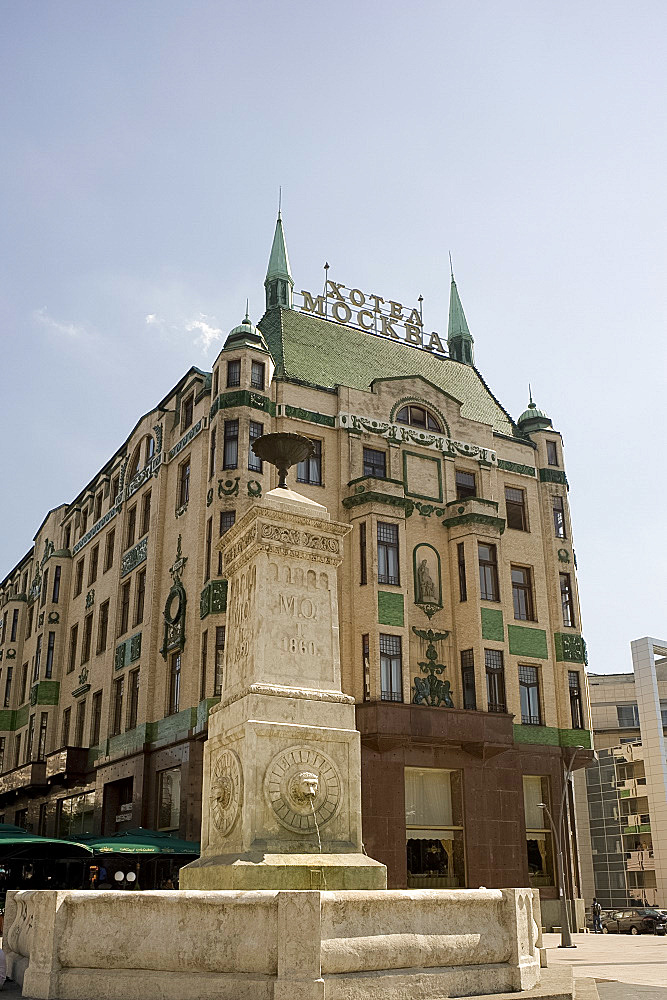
<point>530,395</point>
<point>247,312</point>
<point>451,266</point>
<point>280,199</point>
<point>278,282</point>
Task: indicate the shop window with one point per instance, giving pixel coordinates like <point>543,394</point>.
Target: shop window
<point>529,693</point>
<point>255,431</point>
<point>466,485</point>
<point>488,572</point>
<point>74,815</point>
<point>495,680</point>
<point>539,848</point>
<point>388,566</point>
<point>418,416</point>
<point>310,470</point>
<point>391,668</point>
<point>375,463</point>
<point>434,828</point>
<point>515,508</point>
<point>522,593</point>
<point>468,679</point>
<point>169,799</point>
<point>230,455</point>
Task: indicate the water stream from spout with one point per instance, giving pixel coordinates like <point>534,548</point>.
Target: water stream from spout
<point>317,830</point>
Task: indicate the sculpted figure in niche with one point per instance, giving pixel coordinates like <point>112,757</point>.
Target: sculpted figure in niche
<point>425,586</point>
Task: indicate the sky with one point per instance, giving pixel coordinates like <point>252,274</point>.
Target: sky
<point>143,148</point>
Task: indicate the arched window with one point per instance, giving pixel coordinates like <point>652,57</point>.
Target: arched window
<point>417,416</point>
<point>135,462</point>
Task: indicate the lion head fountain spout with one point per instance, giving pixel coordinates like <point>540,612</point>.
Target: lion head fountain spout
<point>283,451</point>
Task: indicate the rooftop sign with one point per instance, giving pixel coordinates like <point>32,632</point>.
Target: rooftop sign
<point>371,313</point>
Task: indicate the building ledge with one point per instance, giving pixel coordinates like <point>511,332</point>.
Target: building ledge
<point>384,725</point>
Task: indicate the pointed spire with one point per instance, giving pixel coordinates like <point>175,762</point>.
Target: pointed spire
<point>278,282</point>
<point>458,335</point>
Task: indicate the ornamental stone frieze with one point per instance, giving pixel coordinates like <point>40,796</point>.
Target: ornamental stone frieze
<point>402,434</point>
<point>134,557</point>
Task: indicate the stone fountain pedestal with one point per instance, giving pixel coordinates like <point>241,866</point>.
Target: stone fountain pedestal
<point>282,764</point>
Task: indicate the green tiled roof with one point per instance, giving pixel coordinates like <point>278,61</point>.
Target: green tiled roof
<point>329,354</point>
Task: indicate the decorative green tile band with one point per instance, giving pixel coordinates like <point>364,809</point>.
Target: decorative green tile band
<point>314,418</point>
<point>473,518</point>
<point>521,470</point>
<point>368,496</point>
<point>492,625</point>
<point>242,397</point>
<point>553,476</point>
<point>570,648</point>
<point>213,598</point>
<point>528,641</point>
<point>551,737</point>
<point>390,609</point>
<point>48,693</point>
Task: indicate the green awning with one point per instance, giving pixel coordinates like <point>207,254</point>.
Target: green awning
<point>141,841</point>
<point>18,844</point>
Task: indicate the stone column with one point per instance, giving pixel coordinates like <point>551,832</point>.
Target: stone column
<point>282,764</point>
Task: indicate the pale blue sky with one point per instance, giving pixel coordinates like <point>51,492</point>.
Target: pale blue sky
<point>143,145</point>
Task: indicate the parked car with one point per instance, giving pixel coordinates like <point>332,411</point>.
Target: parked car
<point>638,920</point>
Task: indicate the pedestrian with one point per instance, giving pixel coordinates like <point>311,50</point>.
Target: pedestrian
<point>597,916</point>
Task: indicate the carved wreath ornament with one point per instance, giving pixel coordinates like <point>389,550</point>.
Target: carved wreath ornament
<point>303,784</point>
<point>226,791</point>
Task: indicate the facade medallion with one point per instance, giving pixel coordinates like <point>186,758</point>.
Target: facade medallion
<point>226,791</point>
<point>303,785</point>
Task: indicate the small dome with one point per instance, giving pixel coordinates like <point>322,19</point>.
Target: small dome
<point>246,334</point>
<point>533,418</point>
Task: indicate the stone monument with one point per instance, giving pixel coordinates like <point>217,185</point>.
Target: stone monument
<point>282,763</point>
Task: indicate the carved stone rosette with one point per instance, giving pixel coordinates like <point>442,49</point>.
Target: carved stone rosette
<point>303,784</point>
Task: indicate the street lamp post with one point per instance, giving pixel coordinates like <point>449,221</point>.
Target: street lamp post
<point>565,935</point>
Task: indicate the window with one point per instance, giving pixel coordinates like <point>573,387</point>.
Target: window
<point>558,507</point>
<point>87,637</point>
<point>366,663</point>
<point>98,506</point>
<point>124,608</point>
<point>67,718</point>
<point>219,658</point>
<point>203,665</point>
<point>187,411</point>
<point>78,578</point>
<point>211,454</point>
<point>68,536</point>
<point>566,600</point>
<point>174,684</point>
<point>576,711</point>
<point>388,568</point>
<point>133,695</point>
<point>17,757</point>
<point>233,373</point>
<point>488,573</point>
<point>495,680</point>
<point>538,836</point>
<point>74,815</point>
<point>21,815</point>
<point>118,693</point>
<point>434,828</point>
<point>28,626</point>
<point>131,529</point>
<point>38,658</point>
<point>227,519</point>
<point>628,716</point>
<point>184,483</point>
<point>15,622</point>
<point>102,627</point>
<point>522,593</point>
<point>73,639</point>
<point>140,597</point>
<point>146,513</point>
<point>463,586</point>
<point>45,587</point>
<point>50,650</point>
<point>216,378</point>
<point>108,549</point>
<point>363,567</point>
<point>169,799</point>
<point>375,463</point>
<point>257,376</point>
<point>230,452</point>
<point>310,470</point>
<point>41,823</point>
<point>417,416</point>
<point>255,431</point>
<point>391,668</point>
<point>209,542</point>
<point>529,691</point>
<point>115,489</point>
<point>24,683</point>
<point>468,679</point>
<point>92,565</point>
<point>552,453</point>
<point>80,722</point>
<point>57,573</point>
<point>3,743</point>
<point>41,743</point>
<point>95,718</point>
<point>466,485</point>
<point>30,739</point>
<point>515,507</point>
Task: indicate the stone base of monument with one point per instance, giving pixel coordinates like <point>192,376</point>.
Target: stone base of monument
<point>271,945</point>
<point>284,871</point>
